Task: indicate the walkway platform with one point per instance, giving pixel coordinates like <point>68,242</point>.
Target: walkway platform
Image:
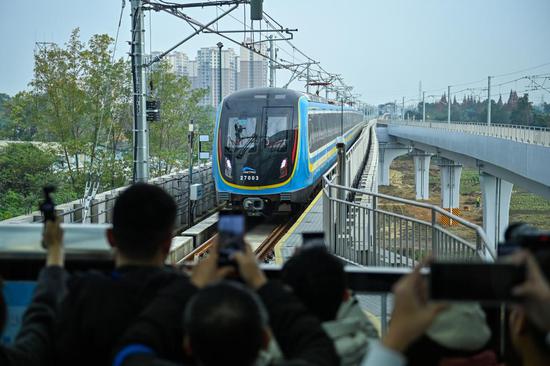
<point>310,220</point>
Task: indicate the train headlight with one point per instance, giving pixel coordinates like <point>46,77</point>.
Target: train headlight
<point>228,168</point>
<point>284,168</point>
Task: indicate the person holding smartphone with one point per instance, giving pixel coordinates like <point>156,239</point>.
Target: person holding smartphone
<point>529,321</point>
<point>228,322</point>
<point>34,343</point>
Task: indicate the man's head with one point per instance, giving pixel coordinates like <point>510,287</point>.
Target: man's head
<point>143,221</point>
<point>318,279</point>
<point>225,324</point>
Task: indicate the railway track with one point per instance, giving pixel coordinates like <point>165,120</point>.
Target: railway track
<point>262,237</point>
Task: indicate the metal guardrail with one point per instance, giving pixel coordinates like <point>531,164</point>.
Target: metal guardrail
<point>520,133</point>
<point>375,230</point>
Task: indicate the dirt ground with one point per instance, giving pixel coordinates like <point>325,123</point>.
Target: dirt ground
<point>524,206</point>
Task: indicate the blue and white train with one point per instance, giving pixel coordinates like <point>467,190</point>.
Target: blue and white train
<point>272,147</point>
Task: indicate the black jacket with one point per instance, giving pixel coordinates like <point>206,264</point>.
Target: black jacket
<point>99,307</point>
<point>298,333</point>
<point>34,342</point>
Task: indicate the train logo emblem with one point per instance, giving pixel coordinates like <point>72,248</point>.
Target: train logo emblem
<point>248,170</point>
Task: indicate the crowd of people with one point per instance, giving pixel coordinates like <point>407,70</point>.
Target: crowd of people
<point>144,313</point>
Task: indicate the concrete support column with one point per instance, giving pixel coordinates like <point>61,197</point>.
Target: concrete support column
<point>422,174</point>
<point>386,156</point>
<point>496,194</point>
<point>450,184</point>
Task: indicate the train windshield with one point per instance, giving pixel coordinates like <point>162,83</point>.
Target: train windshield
<point>242,132</point>
<point>257,138</point>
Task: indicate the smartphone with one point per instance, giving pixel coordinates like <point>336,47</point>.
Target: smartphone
<point>231,229</point>
<point>480,282</point>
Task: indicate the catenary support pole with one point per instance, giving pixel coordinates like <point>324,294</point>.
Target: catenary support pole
<point>488,100</point>
<point>307,78</point>
<point>449,104</point>
<point>423,106</point>
<point>272,75</point>
<point>190,137</point>
<point>220,46</point>
<point>141,133</point>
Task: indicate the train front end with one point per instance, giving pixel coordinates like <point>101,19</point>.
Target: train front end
<point>256,148</point>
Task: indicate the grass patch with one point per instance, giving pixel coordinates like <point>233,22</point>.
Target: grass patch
<point>524,206</point>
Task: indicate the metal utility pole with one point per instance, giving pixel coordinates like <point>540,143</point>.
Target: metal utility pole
<point>220,46</point>
<point>423,106</point>
<point>488,100</point>
<point>342,120</point>
<point>272,70</point>
<point>307,78</point>
<point>190,138</point>
<point>141,133</point>
<point>449,104</point>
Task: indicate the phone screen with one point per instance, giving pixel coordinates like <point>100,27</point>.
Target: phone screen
<point>482,282</point>
<point>231,228</point>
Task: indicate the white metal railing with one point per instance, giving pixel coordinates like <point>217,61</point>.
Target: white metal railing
<point>381,233</point>
<point>369,228</point>
<point>520,133</point>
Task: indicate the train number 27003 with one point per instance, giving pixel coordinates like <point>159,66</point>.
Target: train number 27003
<point>250,177</point>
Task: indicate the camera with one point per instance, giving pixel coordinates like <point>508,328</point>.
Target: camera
<point>48,206</point>
<point>523,236</point>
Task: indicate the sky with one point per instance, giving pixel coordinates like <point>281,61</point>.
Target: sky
<point>382,48</point>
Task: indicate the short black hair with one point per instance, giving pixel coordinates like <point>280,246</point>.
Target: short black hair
<point>318,279</point>
<point>143,216</point>
<point>225,324</point>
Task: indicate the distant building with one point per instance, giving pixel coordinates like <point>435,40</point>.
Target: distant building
<point>248,70</point>
<point>207,65</point>
<point>179,63</point>
<point>253,68</point>
<point>193,74</point>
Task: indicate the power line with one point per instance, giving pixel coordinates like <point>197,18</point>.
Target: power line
<point>524,70</point>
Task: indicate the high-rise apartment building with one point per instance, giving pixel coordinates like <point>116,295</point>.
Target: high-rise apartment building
<point>208,73</point>
<point>179,62</point>
<point>253,73</point>
<point>193,74</point>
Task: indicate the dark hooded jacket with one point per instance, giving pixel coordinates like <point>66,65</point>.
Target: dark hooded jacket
<point>299,334</point>
<point>34,343</point>
<point>99,307</point>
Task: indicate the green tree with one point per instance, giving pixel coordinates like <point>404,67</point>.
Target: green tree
<point>4,115</point>
<point>168,137</point>
<point>24,170</point>
<point>85,105</point>
<point>523,113</point>
<point>23,110</point>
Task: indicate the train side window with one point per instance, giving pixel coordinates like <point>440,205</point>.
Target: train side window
<point>311,132</point>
